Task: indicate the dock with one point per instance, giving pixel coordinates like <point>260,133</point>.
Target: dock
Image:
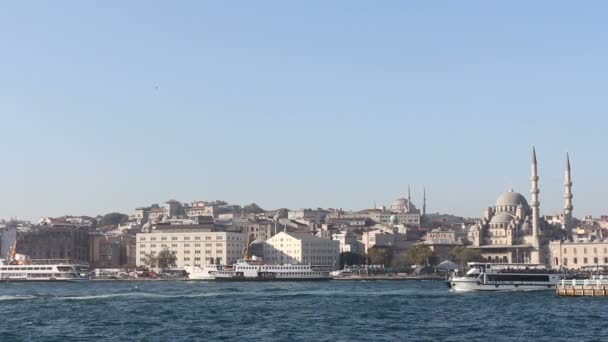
<point>594,287</point>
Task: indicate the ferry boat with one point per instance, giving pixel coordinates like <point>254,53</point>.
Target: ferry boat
<point>505,277</point>
<point>255,270</point>
<point>19,267</point>
<point>43,270</point>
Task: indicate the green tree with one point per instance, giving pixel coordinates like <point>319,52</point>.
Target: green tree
<point>400,262</point>
<point>150,260</point>
<point>252,209</point>
<point>166,259</point>
<point>420,255</point>
<point>349,258</point>
<point>462,255</point>
<point>380,256</point>
<point>113,219</point>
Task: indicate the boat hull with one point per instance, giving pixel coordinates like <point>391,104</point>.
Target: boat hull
<point>466,286</point>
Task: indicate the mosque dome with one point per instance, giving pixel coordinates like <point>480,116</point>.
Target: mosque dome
<point>502,218</point>
<point>402,205</point>
<point>511,198</point>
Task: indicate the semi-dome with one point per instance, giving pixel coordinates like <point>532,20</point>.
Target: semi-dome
<point>502,218</point>
<point>511,198</point>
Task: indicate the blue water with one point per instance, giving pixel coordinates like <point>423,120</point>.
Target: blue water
<point>325,311</point>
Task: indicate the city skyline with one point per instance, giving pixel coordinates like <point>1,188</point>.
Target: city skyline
<point>287,105</point>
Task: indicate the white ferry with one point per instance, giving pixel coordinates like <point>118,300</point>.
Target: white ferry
<point>255,270</point>
<point>42,270</point>
<point>505,277</point>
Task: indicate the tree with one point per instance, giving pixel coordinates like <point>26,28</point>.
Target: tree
<point>377,255</point>
<point>113,219</point>
<point>150,260</point>
<point>400,262</point>
<point>349,258</point>
<point>462,255</point>
<point>252,209</point>
<point>166,259</point>
<point>420,255</point>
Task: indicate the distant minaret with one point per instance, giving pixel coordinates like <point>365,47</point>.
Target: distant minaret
<point>409,198</point>
<point>568,197</point>
<point>423,201</point>
<point>534,194</point>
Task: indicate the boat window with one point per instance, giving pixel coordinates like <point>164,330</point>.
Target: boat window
<point>472,275</point>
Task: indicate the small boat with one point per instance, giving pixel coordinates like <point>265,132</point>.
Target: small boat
<point>505,277</point>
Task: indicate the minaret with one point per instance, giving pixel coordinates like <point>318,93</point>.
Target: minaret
<point>423,201</point>
<point>568,197</point>
<point>534,194</point>
<point>409,198</point>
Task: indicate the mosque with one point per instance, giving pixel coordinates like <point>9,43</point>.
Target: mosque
<point>512,231</point>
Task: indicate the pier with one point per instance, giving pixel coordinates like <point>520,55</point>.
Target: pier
<point>595,287</point>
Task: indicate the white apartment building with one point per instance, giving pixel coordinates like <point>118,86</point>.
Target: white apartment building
<point>192,247</point>
<point>301,248</point>
<point>348,242</point>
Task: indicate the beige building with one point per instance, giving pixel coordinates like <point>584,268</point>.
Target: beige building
<point>192,247</point>
<point>301,248</point>
<point>577,255</point>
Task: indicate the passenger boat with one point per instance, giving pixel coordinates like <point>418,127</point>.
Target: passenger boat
<point>43,270</point>
<point>256,270</point>
<point>19,267</point>
<point>505,277</point>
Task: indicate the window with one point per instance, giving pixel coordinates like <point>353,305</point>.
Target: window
<point>595,261</point>
<point>174,238</point>
<point>153,238</point>
<point>594,250</point>
<point>584,260</point>
<point>575,261</point>
<point>197,245</point>
<point>163,238</point>
<point>186,245</point>
<point>197,238</point>
<point>565,250</point>
<point>565,261</point>
<point>142,239</point>
<point>173,245</point>
<point>186,252</point>
<point>186,238</point>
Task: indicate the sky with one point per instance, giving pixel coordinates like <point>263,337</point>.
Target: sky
<point>110,105</point>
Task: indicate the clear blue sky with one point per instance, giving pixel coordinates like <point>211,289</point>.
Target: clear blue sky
<point>110,105</point>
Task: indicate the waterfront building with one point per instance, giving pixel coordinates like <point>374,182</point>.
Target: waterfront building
<point>512,231</point>
<point>192,246</point>
<point>54,242</point>
<point>579,255</point>
<point>301,248</point>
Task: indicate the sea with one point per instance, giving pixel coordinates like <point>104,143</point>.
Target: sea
<point>296,311</point>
